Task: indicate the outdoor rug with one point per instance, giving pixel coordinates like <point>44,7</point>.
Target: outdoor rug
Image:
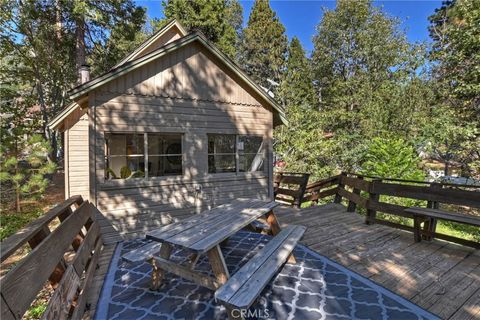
<point>314,288</point>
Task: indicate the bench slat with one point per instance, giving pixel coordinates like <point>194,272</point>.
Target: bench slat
<point>61,301</point>
<point>445,215</point>
<point>143,253</point>
<point>242,289</point>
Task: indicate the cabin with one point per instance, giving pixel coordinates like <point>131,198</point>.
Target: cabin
<point>173,129</point>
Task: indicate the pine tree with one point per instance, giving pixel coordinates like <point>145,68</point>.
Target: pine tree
<point>297,85</point>
<point>299,143</point>
<point>264,45</point>
<point>219,20</point>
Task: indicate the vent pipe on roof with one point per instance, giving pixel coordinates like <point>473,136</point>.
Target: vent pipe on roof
<point>84,74</point>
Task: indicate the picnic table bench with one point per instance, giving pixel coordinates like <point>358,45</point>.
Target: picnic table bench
<point>204,233</point>
<point>429,218</point>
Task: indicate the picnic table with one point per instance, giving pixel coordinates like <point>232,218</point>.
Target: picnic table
<point>203,234</point>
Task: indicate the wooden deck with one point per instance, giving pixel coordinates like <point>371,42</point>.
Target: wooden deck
<point>439,276</point>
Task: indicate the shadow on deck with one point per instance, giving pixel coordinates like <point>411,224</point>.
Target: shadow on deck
<point>439,276</point>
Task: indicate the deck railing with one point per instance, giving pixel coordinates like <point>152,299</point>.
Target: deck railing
<point>64,253</point>
<point>366,192</point>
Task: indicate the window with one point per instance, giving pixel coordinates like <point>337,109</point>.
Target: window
<point>134,155</point>
<point>221,153</point>
<point>125,156</point>
<point>232,153</point>
<point>164,155</point>
<point>250,154</point>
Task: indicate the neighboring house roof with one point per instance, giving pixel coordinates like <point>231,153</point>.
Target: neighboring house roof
<point>130,65</point>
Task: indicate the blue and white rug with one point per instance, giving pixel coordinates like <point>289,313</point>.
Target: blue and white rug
<point>314,288</point>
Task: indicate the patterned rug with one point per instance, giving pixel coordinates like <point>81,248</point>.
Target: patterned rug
<point>314,288</point>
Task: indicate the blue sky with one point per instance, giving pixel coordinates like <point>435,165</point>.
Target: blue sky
<point>301,17</point>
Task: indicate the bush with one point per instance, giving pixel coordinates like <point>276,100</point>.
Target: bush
<point>392,158</point>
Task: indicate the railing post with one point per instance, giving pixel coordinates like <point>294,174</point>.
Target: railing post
<point>431,224</point>
<point>373,197</point>
<point>338,197</point>
<point>352,205</point>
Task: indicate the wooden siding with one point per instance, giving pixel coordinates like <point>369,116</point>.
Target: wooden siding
<point>77,155</point>
<point>189,72</point>
<point>186,92</point>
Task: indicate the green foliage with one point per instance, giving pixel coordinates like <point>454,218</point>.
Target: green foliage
<point>219,20</point>
<point>366,85</point>
<point>12,222</point>
<point>125,172</point>
<point>42,44</point>
<point>23,167</point>
<point>264,45</point>
<point>36,312</point>
<point>455,30</point>
<point>454,135</point>
<point>393,158</point>
<point>297,85</point>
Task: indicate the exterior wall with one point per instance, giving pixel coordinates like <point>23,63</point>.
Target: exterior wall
<point>186,93</point>
<point>77,155</point>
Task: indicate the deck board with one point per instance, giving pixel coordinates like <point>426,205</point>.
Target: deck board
<point>441,277</point>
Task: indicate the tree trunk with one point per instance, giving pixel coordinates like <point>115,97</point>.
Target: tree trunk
<point>17,186</point>
<point>17,199</point>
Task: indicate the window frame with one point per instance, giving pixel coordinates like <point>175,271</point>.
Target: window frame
<point>237,153</point>
<point>145,154</point>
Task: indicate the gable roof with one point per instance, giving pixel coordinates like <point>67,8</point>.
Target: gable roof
<point>130,65</point>
<point>151,40</point>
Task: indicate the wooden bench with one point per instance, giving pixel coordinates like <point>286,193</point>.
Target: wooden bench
<point>429,219</point>
<point>242,289</point>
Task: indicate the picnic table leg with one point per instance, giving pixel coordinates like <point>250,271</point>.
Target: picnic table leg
<point>193,260</point>
<point>157,273</point>
<point>219,268</point>
<point>275,229</point>
<point>273,223</point>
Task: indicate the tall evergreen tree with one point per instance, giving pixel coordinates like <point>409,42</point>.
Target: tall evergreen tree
<point>297,85</point>
<point>264,45</point>
<point>299,143</point>
<point>219,20</point>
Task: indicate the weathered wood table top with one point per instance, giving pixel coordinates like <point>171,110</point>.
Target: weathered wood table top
<point>204,231</point>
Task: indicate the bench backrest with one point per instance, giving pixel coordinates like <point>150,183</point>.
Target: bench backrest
<point>65,255</point>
